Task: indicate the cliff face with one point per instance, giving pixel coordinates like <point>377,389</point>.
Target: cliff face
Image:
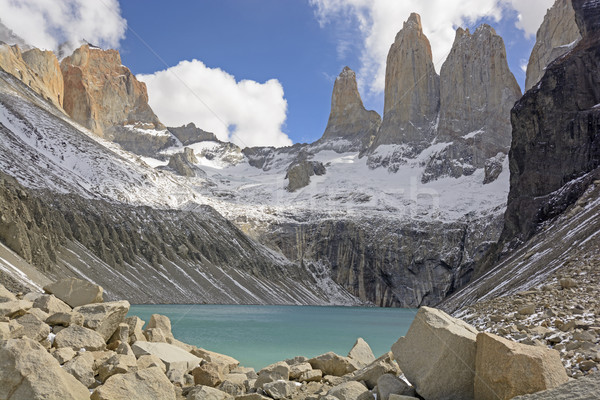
<point>477,91</point>
<point>348,119</point>
<point>557,35</point>
<point>100,93</point>
<point>37,69</point>
<point>556,133</point>
<point>412,89</point>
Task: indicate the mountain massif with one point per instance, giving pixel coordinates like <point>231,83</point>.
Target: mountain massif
<point>401,210</point>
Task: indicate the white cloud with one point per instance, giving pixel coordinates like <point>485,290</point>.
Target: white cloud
<point>531,14</point>
<point>379,20</point>
<point>246,113</point>
<point>49,23</point>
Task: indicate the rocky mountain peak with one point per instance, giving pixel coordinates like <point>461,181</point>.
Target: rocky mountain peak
<point>411,89</point>
<point>100,93</point>
<point>348,119</point>
<point>557,35</point>
<point>477,91</point>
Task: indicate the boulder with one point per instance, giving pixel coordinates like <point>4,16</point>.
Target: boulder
<point>234,384</point>
<point>280,389</point>
<point>14,308</point>
<point>64,354</point>
<point>150,383</point>
<point>28,371</point>
<point>150,360</point>
<point>121,334</point>
<point>42,315</point>
<point>77,337</point>
<point>82,368</point>
<point>65,319</point>
<point>33,327</point>
<point>388,384</point>
<point>6,295</point>
<point>333,364</point>
<point>505,369</point>
<point>208,374</point>
<point>361,353</point>
<point>172,356</point>
<point>585,388</point>
<point>207,393</point>
<point>371,373</point>
<point>155,335</point>
<point>228,364</point>
<point>350,391</point>
<point>117,364</point>
<point>437,355</point>
<point>401,397</point>
<point>104,318</point>
<point>272,373</point>
<point>251,396</point>
<point>297,370</point>
<point>51,304</point>
<point>160,321</point>
<point>75,292</point>
<point>314,375</point>
<point>5,331</point>
<point>136,332</point>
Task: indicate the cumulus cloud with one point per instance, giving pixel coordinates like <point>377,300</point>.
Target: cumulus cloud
<point>48,24</point>
<point>530,14</point>
<point>379,20</point>
<point>246,113</point>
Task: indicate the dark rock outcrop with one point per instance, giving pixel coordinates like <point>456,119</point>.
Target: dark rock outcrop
<point>183,163</point>
<point>299,173</point>
<point>412,90</point>
<point>189,134</point>
<point>387,262</point>
<point>349,121</point>
<point>556,133</point>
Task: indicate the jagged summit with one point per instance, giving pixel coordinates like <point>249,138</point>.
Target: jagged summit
<point>557,35</point>
<point>411,89</point>
<point>101,93</point>
<point>348,119</point>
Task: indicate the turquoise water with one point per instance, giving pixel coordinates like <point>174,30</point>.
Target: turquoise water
<point>261,335</point>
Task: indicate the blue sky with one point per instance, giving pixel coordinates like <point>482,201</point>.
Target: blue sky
<point>264,69</point>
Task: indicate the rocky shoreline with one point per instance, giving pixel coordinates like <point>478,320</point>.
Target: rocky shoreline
<point>68,344</point>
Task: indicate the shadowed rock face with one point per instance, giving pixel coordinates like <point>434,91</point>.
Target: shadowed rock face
<point>412,89</point>
<point>348,119</point>
<point>101,93</point>
<point>557,35</point>
<point>188,134</point>
<point>556,132</point>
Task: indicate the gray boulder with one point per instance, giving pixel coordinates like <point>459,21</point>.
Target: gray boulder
<point>14,308</point>
<point>28,371</point>
<point>75,292</point>
<point>33,327</point>
<point>272,373</point>
<point>207,393</point>
<point>150,383</point>
<point>77,337</point>
<point>333,364</point>
<point>51,304</point>
<point>172,356</point>
<point>389,384</point>
<point>65,319</point>
<point>104,318</point>
<point>82,368</point>
<point>280,389</point>
<point>437,355</point>
<point>351,391</point>
<point>361,353</point>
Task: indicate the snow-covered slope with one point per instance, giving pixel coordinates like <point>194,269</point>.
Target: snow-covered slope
<point>81,206</point>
